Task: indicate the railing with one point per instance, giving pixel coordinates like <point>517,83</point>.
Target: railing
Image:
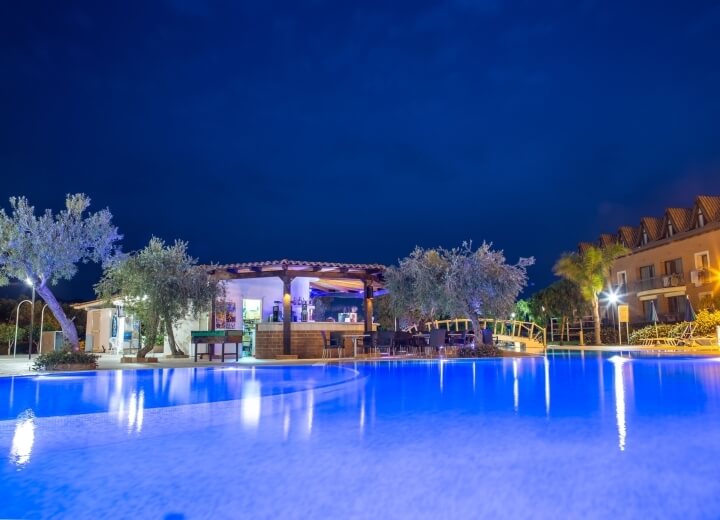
<point>658,282</point>
<point>512,328</point>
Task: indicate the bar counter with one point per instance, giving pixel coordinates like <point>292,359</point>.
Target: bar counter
<point>306,339</point>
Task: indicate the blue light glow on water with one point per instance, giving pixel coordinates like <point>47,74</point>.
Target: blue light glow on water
<point>567,436</point>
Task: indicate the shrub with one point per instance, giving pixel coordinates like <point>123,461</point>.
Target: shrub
<point>608,335</point>
<point>56,359</point>
<point>481,351</point>
<point>663,330</point>
<point>706,321</point>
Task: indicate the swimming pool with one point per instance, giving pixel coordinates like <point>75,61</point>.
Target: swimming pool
<point>567,436</point>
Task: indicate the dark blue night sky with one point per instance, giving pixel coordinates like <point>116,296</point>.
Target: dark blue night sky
<point>330,131</point>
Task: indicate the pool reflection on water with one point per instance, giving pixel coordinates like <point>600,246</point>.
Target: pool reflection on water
<point>511,437</point>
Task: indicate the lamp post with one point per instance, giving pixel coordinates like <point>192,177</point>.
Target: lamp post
<point>17,319</point>
<point>613,299</point>
<point>32,316</point>
<point>42,320</point>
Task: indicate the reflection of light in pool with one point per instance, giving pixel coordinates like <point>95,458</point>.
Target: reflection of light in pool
<point>23,439</point>
<point>311,410</point>
<point>251,404</point>
<point>516,385</point>
<point>362,413</point>
<point>286,424</point>
<point>620,412</point>
<point>547,385</point>
<point>441,366</point>
<point>136,411</point>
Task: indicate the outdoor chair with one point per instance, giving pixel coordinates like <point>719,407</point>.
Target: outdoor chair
<point>335,342</point>
<point>437,340</point>
<point>370,342</point>
<point>402,342</point>
<point>385,339</point>
<point>419,344</point>
<point>457,340</point>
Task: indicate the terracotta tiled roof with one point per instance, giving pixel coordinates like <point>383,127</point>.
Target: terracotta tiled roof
<point>282,264</point>
<point>710,206</point>
<point>628,235</point>
<point>681,218</point>
<point>584,246</point>
<point>653,226</point>
<point>607,239</point>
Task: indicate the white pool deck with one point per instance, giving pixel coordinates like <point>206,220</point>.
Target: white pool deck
<point>20,365</point>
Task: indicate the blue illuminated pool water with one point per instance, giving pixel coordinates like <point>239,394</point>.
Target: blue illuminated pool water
<point>568,436</point>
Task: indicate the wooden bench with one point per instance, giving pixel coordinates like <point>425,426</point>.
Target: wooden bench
<point>216,337</point>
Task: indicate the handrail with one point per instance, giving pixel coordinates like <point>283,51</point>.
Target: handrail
<point>513,328</point>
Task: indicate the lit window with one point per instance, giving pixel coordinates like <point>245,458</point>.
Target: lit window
<point>702,260</point>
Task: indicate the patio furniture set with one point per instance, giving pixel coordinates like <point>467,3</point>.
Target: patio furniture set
<point>396,343</point>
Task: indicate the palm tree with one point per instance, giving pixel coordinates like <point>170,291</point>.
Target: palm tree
<point>589,271</point>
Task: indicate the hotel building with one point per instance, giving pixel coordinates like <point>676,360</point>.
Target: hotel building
<point>672,259</point>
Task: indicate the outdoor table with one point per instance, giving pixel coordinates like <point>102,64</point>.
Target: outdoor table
<point>355,338</point>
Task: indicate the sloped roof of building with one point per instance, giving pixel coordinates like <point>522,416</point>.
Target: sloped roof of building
<point>329,276</point>
<point>653,226</point>
<point>681,218</point>
<point>606,239</point>
<point>711,207</point>
<point>584,246</point>
<point>628,235</point>
<point>270,265</point>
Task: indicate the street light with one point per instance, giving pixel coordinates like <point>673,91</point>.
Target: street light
<point>17,320</point>
<point>42,319</point>
<point>32,316</point>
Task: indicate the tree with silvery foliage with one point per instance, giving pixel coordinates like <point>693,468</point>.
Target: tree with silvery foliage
<point>480,282</point>
<point>160,284</point>
<point>44,249</point>
<point>459,282</point>
<point>417,286</point>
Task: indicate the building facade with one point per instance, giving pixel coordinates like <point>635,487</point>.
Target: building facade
<point>673,260</point>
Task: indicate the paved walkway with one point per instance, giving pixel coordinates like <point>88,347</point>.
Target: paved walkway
<point>659,349</point>
<point>20,365</point>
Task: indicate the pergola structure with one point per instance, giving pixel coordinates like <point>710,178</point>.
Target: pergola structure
<point>365,278</point>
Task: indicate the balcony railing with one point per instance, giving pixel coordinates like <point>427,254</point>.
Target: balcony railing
<point>667,281</point>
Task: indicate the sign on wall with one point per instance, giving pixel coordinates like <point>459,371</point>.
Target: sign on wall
<point>226,315</point>
<point>624,313</point>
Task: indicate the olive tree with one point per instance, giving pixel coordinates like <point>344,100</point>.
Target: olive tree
<point>44,249</point>
<point>480,282</point>
<point>459,282</point>
<point>417,285</point>
<point>160,285</point>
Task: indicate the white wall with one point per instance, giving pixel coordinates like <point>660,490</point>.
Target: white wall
<point>269,290</point>
<point>182,329</point>
<point>98,326</point>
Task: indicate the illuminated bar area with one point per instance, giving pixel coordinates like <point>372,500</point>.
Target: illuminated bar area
<point>273,304</point>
